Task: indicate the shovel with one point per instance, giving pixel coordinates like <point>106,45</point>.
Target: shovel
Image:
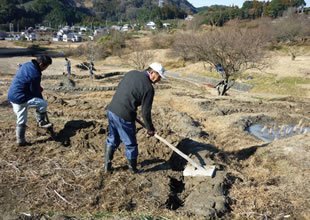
<point>195,169</point>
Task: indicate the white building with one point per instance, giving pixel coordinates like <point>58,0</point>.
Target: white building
<point>30,36</point>
<point>72,37</point>
<point>116,27</point>
<point>101,31</point>
<point>166,25</point>
<point>126,27</point>
<point>189,18</point>
<point>151,25</point>
<point>57,38</point>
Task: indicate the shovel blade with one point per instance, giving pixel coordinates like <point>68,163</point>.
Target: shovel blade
<point>192,171</point>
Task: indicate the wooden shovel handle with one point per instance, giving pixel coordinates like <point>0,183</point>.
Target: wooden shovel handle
<point>188,159</point>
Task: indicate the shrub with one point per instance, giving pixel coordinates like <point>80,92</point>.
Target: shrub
<point>162,41</point>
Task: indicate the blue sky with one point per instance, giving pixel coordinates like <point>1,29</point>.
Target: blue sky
<point>200,3</point>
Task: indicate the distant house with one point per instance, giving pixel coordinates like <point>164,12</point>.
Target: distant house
<point>116,27</point>
<point>73,37</point>
<point>57,38</point>
<point>60,32</point>
<point>99,31</point>
<point>166,25</point>
<point>84,29</point>
<point>66,29</point>
<point>151,25</point>
<point>66,37</point>
<point>30,36</point>
<point>12,37</point>
<point>189,18</point>
<point>126,27</point>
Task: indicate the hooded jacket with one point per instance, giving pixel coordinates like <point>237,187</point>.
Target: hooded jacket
<point>26,83</point>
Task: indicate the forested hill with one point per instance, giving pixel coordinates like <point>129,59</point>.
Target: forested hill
<point>56,12</point>
<point>181,5</point>
<point>25,13</point>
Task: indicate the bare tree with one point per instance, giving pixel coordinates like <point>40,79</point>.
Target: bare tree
<point>235,49</point>
<point>292,28</point>
<point>139,58</point>
<point>162,40</point>
<point>183,45</point>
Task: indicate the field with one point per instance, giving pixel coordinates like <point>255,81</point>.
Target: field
<point>62,178</point>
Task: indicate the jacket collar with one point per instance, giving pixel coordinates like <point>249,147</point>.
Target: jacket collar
<point>36,64</point>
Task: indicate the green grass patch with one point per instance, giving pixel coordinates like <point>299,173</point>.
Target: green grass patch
<point>281,86</point>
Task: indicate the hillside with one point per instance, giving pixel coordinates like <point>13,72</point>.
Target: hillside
<point>181,4</point>
<point>56,12</point>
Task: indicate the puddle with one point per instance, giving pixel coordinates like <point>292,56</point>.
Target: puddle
<point>269,134</point>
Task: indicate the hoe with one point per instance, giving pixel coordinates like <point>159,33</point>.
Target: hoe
<point>193,170</point>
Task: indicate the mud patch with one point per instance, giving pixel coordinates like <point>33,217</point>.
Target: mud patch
<point>266,134</point>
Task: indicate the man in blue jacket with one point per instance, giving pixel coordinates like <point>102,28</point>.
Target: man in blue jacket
<point>25,92</point>
<point>136,89</point>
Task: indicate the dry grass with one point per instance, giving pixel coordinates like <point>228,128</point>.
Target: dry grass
<point>52,178</point>
<point>276,187</point>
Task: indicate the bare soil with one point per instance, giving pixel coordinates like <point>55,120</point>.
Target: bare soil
<point>61,177</point>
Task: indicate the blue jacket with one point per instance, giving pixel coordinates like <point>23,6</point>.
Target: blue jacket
<point>26,83</point>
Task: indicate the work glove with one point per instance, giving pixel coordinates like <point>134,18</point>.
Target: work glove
<point>151,132</point>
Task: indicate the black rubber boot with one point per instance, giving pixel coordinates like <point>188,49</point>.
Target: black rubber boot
<point>132,165</point>
<point>108,157</point>
<point>42,120</point>
<point>20,136</point>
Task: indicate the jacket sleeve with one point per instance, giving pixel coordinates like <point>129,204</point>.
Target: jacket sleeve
<point>147,110</point>
<point>35,87</point>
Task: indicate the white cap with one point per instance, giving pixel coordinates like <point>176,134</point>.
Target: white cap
<point>158,68</point>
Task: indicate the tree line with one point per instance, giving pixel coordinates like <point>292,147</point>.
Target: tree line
<point>218,15</point>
